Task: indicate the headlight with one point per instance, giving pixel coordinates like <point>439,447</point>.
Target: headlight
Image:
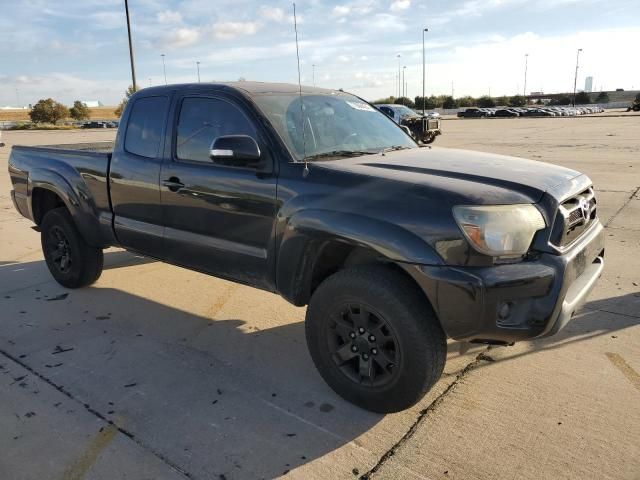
<point>499,230</point>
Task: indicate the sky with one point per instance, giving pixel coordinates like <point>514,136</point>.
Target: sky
<point>78,49</point>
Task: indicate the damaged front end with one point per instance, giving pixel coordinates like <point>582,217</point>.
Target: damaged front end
<point>423,129</point>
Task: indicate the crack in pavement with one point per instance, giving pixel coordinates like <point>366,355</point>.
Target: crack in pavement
<point>633,194</point>
<point>94,412</point>
<point>481,357</point>
<point>630,315</point>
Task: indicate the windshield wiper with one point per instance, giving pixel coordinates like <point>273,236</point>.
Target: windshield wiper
<point>339,153</point>
<point>393,149</point>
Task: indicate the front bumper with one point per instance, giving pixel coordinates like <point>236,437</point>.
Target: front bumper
<point>508,303</point>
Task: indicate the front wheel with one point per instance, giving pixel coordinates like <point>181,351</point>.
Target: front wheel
<point>72,262</point>
<point>374,338</point>
<point>429,138</point>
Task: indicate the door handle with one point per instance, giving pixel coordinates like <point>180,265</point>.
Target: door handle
<point>173,184</point>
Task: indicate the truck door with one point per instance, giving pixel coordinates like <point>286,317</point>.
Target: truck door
<point>218,218</point>
<point>134,176</point>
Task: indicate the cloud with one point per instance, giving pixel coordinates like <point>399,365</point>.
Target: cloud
<point>399,5</point>
<point>274,14</point>
<point>183,37</point>
<point>341,10</point>
<point>277,15</point>
<point>169,16</point>
<point>384,22</point>
<point>227,30</point>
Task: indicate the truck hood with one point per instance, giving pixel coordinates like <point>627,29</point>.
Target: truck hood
<point>481,177</point>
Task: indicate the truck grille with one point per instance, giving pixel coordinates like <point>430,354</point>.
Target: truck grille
<point>574,217</point>
<point>431,124</point>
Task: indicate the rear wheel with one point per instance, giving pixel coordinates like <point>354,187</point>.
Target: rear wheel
<point>374,338</point>
<point>72,262</point>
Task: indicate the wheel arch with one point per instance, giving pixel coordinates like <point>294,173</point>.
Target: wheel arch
<point>48,190</point>
<point>317,244</point>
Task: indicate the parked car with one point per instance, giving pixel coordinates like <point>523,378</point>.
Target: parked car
<point>319,197</point>
<point>505,112</point>
<point>94,125</point>
<point>424,129</point>
<point>472,113</point>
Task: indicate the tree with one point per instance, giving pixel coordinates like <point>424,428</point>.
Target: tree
<point>502,101</point>
<point>517,101</point>
<point>130,91</point>
<point>582,98</point>
<point>603,97</point>
<point>449,102</point>
<point>48,111</point>
<point>561,100</point>
<point>467,102</point>
<point>79,111</point>
<point>405,101</point>
<point>486,102</point>
<point>387,100</point>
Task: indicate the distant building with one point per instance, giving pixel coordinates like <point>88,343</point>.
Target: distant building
<point>91,103</point>
<point>588,84</point>
<point>536,93</point>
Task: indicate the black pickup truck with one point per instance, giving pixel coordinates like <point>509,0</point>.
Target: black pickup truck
<point>319,197</point>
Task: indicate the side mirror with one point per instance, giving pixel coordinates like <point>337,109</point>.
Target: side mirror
<point>237,150</point>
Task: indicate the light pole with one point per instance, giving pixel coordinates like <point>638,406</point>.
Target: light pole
<point>198,67</point>
<point>423,72</point>
<point>575,79</point>
<point>399,77</point>
<point>133,68</point>
<point>404,91</point>
<point>150,81</point>
<point>164,68</point>
<point>524,92</point>
<point>313,66</point>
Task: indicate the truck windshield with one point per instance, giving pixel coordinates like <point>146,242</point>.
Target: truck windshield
<point>339,123</point>
<point>404,111</point>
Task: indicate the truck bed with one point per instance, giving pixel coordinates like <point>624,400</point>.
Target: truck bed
<point>79,169</point>
<point>96,147</point>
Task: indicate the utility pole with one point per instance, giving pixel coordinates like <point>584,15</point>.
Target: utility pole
<point>198,67</point>
<point>399,77</point>
<point>575,79</point>
<point>452,89</point>
<point>164,68</point>
<point>424,73</point>
<point>150,81</point>
<point>404,91</point>
<point>524,91</point>
<point>313,66</point>
<point>133,68</point>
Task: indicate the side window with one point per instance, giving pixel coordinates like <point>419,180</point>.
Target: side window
<point>144,128</point>
<point>202,120</point>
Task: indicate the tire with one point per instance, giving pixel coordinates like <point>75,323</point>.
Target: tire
<point>429,139</point>
<point>383,302</point>
<point>72,262</point>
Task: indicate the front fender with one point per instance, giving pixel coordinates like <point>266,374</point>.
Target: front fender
<point>307,231</point>
<point>76,198</point>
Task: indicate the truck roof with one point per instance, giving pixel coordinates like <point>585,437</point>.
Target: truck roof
<point>248,88</point>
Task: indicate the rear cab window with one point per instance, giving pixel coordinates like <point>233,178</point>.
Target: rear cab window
<point>145,126</point>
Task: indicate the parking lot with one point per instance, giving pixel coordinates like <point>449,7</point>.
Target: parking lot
<point>159,372</point>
